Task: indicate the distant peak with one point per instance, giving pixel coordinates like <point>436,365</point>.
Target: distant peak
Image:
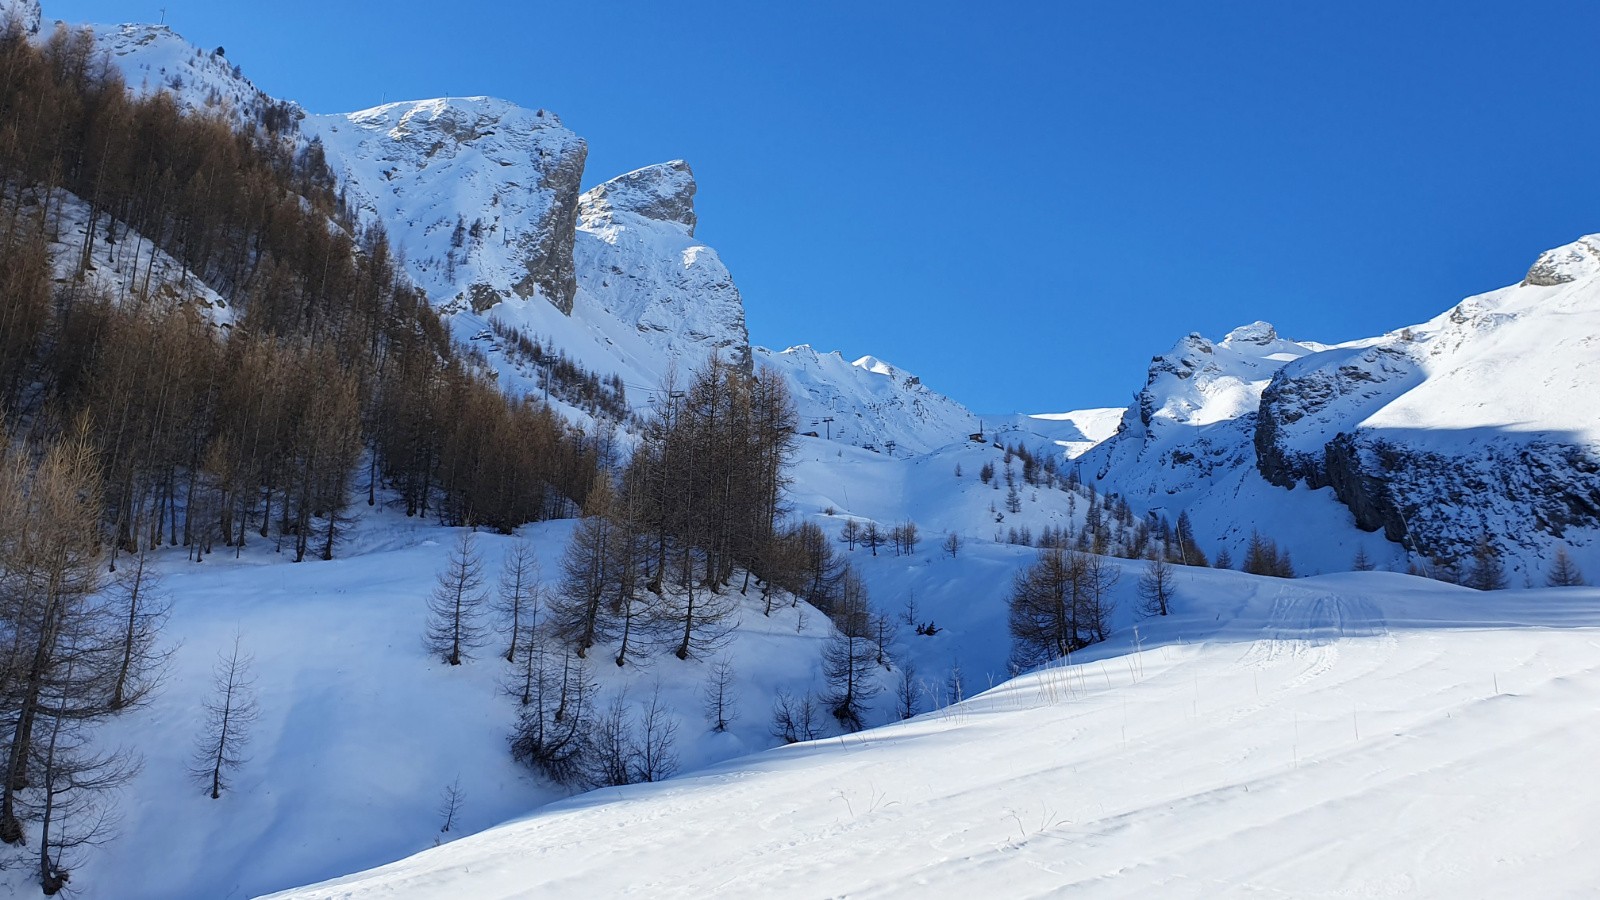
<point>664,192</point>
<point>1254,333</point>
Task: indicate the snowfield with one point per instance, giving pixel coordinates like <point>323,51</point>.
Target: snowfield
<point>1353,735</point>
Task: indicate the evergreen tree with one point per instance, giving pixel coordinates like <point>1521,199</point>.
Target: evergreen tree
<point>850,654</point>
<point>1487,572</point>
<point>230,711</point>
<point>1564,572</point>
<point>455,608</point>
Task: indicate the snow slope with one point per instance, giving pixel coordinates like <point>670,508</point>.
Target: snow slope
<point>126,266</point>
<point>1353,735</point>
<point>153,58</point>
<point>872,403</point>
<point>1079,431</point>
<point>360,728</point>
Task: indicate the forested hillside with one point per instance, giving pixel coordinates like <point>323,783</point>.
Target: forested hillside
<point>308,373</point>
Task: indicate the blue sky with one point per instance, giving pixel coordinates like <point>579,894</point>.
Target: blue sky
<point>1023,202</point>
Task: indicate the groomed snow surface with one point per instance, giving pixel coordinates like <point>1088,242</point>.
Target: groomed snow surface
<point>1352,735</point>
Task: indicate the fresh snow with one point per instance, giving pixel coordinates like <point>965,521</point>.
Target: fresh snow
<point>872,404</point>
<point>1079,431</point>
<point>1342,734</point>
<point>1352,735</point>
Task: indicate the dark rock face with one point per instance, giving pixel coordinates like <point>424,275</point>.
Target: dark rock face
<point>1308,399</point>
<point>1365,493</point>
<point>548,250</point>
<point>1439,504</point>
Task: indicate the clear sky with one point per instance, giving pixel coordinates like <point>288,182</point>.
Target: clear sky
<point>1022,202</point>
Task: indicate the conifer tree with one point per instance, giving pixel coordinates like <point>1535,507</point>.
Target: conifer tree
<point>1564,572</point>
<point>456,606</point>
<point>1487,572</point>
<point>1156,586</point>
<point>519,596</point>
<point>850,653</point>
<point>230,711</point>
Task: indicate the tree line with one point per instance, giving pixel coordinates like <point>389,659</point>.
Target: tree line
<point>140,416</point>
<point>207,433</point>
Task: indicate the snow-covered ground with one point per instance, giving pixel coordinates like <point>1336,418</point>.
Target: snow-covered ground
<point>1344,734</point>
<point>1354,735</point>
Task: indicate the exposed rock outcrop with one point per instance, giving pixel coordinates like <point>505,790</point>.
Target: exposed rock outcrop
<point>26,14</point>
<point>1308,397</point>
<point>638,260</point>
<point>1566,264</point>
<point>481,195</point>
<point>663,192</point>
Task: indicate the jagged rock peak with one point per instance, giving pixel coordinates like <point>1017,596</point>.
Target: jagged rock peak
<point>1567,263</point>
<point>664,192</point>
<point>463,119</point>
<point>26,13</point>
<point>1254,333</point>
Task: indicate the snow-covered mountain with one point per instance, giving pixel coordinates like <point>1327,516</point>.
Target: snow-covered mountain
<point>638,261</point>
<point>870,403</point>
<point>480,194</point>
<point>1478,419</point>
<point>483,201</point>
<point>1478,423</point>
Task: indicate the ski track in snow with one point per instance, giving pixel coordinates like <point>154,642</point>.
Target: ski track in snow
<point>1327,738</point>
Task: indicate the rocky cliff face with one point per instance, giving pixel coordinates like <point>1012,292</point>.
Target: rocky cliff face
<point>1482,421</point>
<point>1308,397</point>
<point>1196,398</point>
<point>637,260</point>
<point>663,193</point>
<point>480,194</point>
<point>26,14</point>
